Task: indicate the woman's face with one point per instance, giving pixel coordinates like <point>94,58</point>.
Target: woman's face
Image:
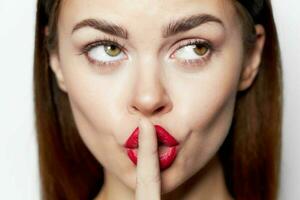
<point>176,62</point>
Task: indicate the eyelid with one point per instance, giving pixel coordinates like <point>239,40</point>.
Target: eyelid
<point>192,62</point>
<point>104,41</point>
<point>174,48</point>
<point>190,41</point>
<point>103,65</point>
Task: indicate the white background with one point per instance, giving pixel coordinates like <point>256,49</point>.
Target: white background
<point>18,156</point>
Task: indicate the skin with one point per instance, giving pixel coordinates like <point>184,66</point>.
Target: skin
<point>148,86</point>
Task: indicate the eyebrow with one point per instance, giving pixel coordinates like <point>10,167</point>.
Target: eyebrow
<point>103,26</point>
<point>173,28</point>
<point>188,23</point>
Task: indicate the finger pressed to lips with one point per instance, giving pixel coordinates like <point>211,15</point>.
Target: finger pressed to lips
<point>148,171</point>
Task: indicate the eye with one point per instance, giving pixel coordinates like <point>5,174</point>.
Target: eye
<point>104,52</point>
<point>200,50</point>
<point>193,52</point>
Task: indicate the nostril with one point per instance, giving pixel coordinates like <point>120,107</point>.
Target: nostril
<point>135,108</point>
<point>159,109</point>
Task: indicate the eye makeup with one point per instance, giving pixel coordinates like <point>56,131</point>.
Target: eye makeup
<point>192,52</point>
<point>188,52</point>
<point>105,42</point>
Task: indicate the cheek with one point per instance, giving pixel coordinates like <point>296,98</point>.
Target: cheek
<point>204,111</point>
<point>97,101</point>
<point>93,94</point>
<point>206,108</point>
<point>201,98</point>
<point>91,110</point>
<point>94,101</point>
<point>210,121</point>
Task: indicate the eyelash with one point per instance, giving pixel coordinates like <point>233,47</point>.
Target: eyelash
<point>194,62</point>
<point>105,41</point>
<point>183,43</point>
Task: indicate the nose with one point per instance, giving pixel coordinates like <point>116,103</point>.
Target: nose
<point>149,97</point>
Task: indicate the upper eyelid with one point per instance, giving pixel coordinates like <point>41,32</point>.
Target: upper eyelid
<point>187,42</point>
<point>102,42</point>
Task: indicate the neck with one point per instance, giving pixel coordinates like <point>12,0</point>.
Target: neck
<point>208,183</point>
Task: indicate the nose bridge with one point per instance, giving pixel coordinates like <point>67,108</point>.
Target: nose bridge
<point>149,95</point>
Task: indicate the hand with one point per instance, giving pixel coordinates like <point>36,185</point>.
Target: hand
<point>148,171</point>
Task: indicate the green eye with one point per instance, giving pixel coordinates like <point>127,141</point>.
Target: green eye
<point>200,49</point>
<point>112,50</point>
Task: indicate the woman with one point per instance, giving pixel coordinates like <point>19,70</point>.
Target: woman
<point>157,99</point>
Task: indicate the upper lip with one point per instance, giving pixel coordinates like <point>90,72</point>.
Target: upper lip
<point>163,137</point>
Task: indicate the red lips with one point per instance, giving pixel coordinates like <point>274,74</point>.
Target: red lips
<point>164,139</point>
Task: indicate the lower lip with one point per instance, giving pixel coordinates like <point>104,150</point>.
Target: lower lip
<point>165,159</point>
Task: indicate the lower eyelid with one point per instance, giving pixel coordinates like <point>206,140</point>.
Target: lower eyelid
<point>195,62</point>
<point>104,63</point>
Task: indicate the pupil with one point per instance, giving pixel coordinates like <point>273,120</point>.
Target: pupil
<point>200,49</point>
<point>112,50</point>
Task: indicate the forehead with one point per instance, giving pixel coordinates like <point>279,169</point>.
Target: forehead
<point>143,13</point>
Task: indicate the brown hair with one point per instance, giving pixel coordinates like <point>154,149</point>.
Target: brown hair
<point>250,155</point>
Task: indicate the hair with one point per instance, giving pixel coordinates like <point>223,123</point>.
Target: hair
<point>250,155</point>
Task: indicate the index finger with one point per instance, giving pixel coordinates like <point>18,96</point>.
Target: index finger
<point>148,171</point>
